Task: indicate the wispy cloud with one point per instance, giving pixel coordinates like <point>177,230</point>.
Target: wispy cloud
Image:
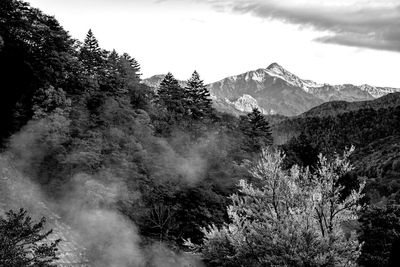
<point>369,23</point>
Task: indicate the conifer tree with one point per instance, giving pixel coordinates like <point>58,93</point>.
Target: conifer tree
<point>120,75</point>
<point>129,69</point>
<point>112,62</point>
<point>91,54</point>
<point>172,96</point>
<point>257,128</point>
<point>198,97</point>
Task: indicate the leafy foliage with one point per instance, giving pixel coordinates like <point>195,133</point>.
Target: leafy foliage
<point>292,219</point>
<point>37,52</point>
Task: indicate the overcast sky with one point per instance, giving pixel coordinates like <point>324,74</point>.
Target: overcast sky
<point>340,41</point>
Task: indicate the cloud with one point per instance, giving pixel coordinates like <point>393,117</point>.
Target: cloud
<point>368,23</point>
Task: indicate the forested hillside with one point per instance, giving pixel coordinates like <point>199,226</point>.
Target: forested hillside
<point>373,128</point>
<point>131,168</point>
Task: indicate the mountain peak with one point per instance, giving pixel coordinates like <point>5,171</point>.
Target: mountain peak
<point>276,67</point>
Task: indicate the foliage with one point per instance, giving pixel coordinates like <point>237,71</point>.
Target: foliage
<point>91,55</point>
<point>172,96</point>
<point>332,134</point>
<point>380,228</point>
<point>256,127</point>
<point>37,52</point>
<point>23,242</point>
<point>300,151</point>
<point>291,219</point>
<point>198,97</point>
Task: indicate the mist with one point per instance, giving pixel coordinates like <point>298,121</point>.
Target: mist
<point>87,216</point>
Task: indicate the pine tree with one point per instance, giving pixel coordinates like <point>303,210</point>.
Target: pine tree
<point>198,97</point>
<point>91,54</point>
<point>257,129</point>
<point>172,96</point>
<point>129,69</point>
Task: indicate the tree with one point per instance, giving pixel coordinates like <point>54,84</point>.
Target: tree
<point>91,54</point>
<point>50,100</point>
<point>172,96</point>
<point>129,71</point>
<point>36,52</point>
<point>198,97</point>
<point>22,242</point>
<point>292,218</point>
<point>257,129</point>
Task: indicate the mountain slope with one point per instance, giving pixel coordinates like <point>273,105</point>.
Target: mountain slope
<point>17,192</point>
<point>276,90</point>
<point>286,129</point>
<point>337,107</point>
<point>373,127</point>
<point>272,93</point>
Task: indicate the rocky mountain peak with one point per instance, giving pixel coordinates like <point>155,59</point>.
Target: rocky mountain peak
<point>275,66</point>
<point>277,69</point>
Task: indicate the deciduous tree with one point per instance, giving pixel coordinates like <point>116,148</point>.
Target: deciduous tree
<point>291,219</point>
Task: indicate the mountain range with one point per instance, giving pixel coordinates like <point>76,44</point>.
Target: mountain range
<point>275,90</point>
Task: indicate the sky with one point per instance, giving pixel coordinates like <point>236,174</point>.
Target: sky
<point>336,42</point>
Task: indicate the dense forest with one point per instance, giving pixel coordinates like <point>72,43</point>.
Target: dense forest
<point>78,121</point>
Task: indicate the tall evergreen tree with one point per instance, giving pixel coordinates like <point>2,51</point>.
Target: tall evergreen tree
<point>129,67</point>
<point>120,75</point>
<point>198,97</point>
<point>91,54</point>
<point>257,129</point>
<point>172,96</point>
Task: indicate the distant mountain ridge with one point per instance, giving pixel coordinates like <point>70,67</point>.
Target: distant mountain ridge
<point>278,91</point>
<point>275,90</point>
<point>334,108</point>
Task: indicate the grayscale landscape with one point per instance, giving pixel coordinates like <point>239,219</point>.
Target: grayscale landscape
<point>172,133</point>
